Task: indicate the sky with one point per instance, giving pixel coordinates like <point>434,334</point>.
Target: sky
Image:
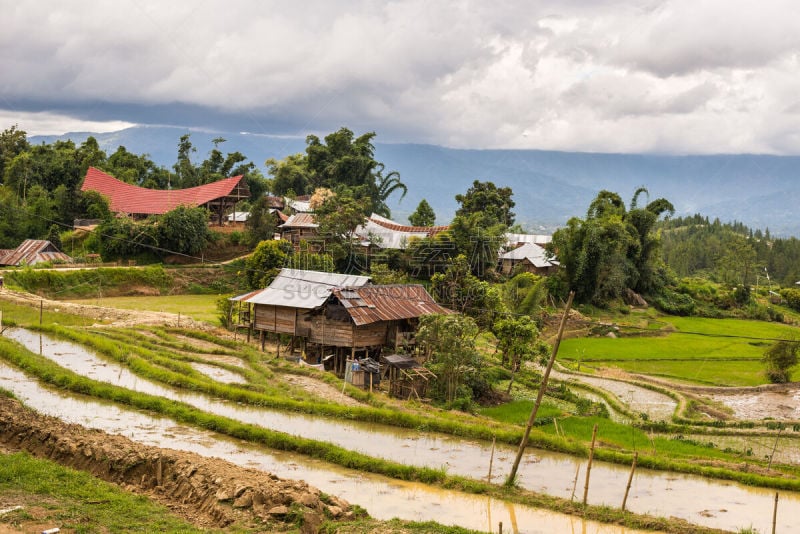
<point>675,77</point>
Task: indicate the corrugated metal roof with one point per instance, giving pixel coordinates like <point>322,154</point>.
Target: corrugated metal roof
<point>297,288</point>
<point>533,253</point>
<point>539,239</point>
<point>300,220</point>
<point>127,198</point>
<point>371,304</point>
<point>33,251</point>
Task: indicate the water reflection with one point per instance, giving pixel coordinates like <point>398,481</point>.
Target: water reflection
<point>383,498</point>
<point>703,501</point>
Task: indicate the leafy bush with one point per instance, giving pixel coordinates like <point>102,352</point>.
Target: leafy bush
<point>674,303</point>
<point>792,298</point>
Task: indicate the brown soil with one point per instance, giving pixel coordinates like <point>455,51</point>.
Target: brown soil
<point>208,492</point>
<point>320,389</point>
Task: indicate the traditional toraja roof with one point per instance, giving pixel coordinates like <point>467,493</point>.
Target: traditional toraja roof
<point>297,288</point>
<point>132,199</point>
<point>392,235</point>
<point>533,253</point>
<point>397,227</point>
<point>31,252</point>
<point>300,220</point>
<point>372,304</point>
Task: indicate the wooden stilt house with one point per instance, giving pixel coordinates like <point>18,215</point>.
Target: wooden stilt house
<point>333,317</point>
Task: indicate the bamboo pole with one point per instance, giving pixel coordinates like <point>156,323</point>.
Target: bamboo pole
<point>491,461</point>
<point>513,475</point>
<point>774,448</point>
<point>589,466</point>
<point>775,513</point>
<point>630,480</point>
<point>575,482</point>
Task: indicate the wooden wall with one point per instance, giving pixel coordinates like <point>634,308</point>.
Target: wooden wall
<point>280,319</point>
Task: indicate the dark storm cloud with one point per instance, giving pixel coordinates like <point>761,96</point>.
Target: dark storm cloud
<point>618,76</point>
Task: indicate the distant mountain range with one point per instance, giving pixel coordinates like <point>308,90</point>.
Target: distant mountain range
<point>549,187</point>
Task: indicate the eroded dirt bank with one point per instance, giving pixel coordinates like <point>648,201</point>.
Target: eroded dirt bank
<point>207,491</point>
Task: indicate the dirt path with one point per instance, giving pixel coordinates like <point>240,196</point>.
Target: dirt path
<point>208,492</point>
<point>108,316</point>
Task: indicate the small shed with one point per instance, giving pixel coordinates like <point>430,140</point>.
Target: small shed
<point>300,227</point>
<point>31,252</point>
<point>406,377</point>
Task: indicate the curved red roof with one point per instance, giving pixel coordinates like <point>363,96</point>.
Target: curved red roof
<point>127,198</point>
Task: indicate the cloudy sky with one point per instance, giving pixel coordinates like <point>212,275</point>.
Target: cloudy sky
<point>690,76</point>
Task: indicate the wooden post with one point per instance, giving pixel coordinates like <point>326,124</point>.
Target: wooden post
<point>491,461</point>
<point>589,466</point>
<point>774,448</point>
<point>630,480</point>
<point>575,482</point>
<point>277,345</point>
<point>500,528</point>
<point>775,513</point>
<point>513,475</point>
<point>261,339</point>
<point>41,310</point>
<point>179,319</point>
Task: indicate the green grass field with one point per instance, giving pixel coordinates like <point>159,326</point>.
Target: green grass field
<point>198,307</point>
<point>709,351</point>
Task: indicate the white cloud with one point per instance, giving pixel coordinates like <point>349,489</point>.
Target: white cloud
<point>46,123</point>
<point>684,76</point>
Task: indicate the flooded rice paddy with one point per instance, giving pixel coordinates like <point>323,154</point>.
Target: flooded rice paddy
<point>703,501</point>
<point>384,498</point>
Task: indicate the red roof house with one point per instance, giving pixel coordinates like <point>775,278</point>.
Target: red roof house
<point>134,200</point>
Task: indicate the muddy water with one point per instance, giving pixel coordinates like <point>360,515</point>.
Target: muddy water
<point>713,503</point>
<point>382,497</point>
<point>784,449</point>
<point>218,373</point>
<point>781,405</point>
<point>657,406</point>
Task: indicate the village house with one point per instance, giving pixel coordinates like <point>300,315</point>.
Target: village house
<point>530,257</point>
<point>301,227</point>
<point>218,197</point>
<point>31,252</point>
<point>335,318</point>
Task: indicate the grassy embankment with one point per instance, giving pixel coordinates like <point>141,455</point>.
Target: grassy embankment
<point>54,496</point>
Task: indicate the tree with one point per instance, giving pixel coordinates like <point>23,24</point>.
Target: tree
<point>517,341</point>
<point>338,217</point>
<point>344,160</point>
<point>183,230</point>
<point>449,341</point>
<point>290,176</point>
<point>779,360</point>
<point>261,224</point>
<point>480,224</point>
<point>458,289</point>
<point>13,142</point>
<point>266,261</point>
<point>612,249</point>
<point>491,202</point>
<point>423,215</point>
